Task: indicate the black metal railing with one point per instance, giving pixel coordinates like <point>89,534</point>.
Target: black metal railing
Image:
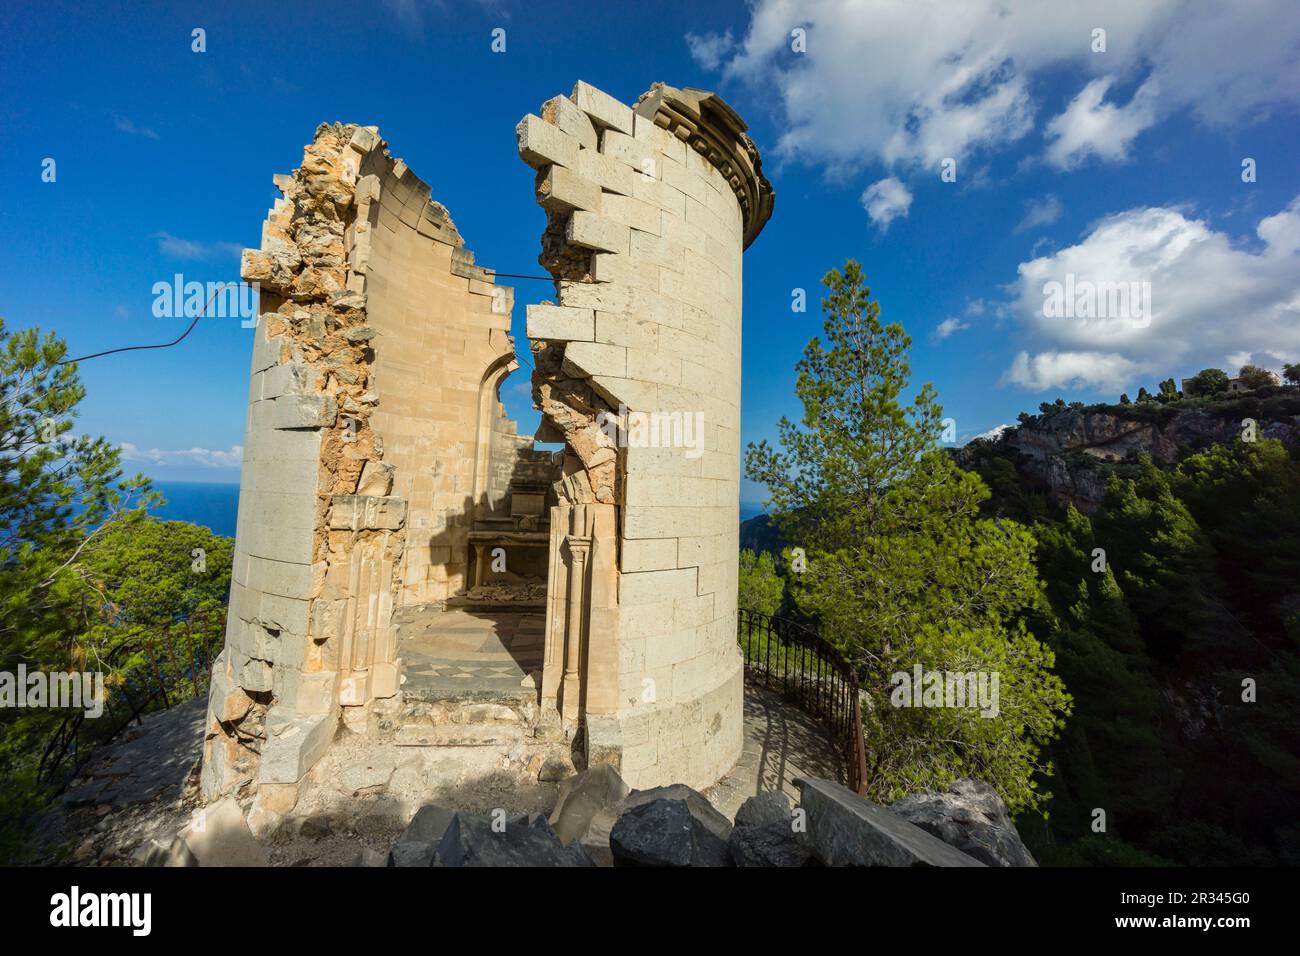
<point>793,659</point>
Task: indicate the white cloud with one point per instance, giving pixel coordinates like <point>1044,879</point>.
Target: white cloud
<point>125,125</point>
<point>949,327</point>
<point>1211,300</point>
<point>886,200</point>
<point>178,248</point>
<point>1095,370</point>
<point>909,82</point>
<point>1091,127</point>
<point>203,457</point>
<point>709,50</point>
<point>1040,212</point>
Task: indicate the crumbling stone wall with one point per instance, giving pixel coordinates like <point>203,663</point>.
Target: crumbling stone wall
<point>649,209</point>
<point>375,365</point>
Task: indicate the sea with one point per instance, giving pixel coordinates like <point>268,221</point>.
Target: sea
<point>214,505</point>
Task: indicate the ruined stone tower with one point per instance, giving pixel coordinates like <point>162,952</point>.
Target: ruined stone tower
<point>384,492</point>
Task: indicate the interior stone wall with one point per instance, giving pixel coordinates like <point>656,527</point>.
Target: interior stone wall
<point>649,209</point>
<point>444,346</point>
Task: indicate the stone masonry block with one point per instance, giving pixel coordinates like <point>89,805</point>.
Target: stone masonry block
<point>295,744</point>
<point>583,359</point>
<point>644,129</point>
<point>650,587</point>
<point>607,173</point>
<point>357,512</point>
<point>631,212</point>
<point>560,323</point>
<point>561,190</point>
<point>635,153</point>
<point>600,296</point>
<point>564,113</point>
<point>626,270</point>
<point>605,111</point>
<point>304,411</point>
<point>627,330</point>
<point>649,554</point>
<point>292,378</point>
<point>541,143</point>
<point>591,231</point>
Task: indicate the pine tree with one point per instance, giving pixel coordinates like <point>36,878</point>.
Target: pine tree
<point>902,569</point>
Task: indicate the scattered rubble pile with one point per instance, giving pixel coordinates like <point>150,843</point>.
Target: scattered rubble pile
<point>122,812</point>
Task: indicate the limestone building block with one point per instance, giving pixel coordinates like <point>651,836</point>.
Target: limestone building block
<point>541,143</point>
<point>294,743</point>
<point>560,189</point>
<point>631,212</point>
<point>564,113</point>
<point>606,172</point>
<point>304,411</point>
<point>584,359</point>
<point>596,232</point>
<point>644,159</point>
<point>605,111</point>
<point>560,323</point>
<point>598,296</point>
<point>356,512</point>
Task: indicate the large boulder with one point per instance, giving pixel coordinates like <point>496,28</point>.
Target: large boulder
<point>587,808</point>
<point>772,844</point>
<point>705,813</point>
<point>667,832</point>
<point>971,817</point>
<point>473,840</point>
<point>843,829</point>
<point>770,806</point>
<point>419,841</point>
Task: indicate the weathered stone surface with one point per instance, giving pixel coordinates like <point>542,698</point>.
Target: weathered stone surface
<point>971,817</point>
<point>664,832</point>
<point>843,829</point>
<point>419,841</point>
<point>771,844</point>
<point>768,807</point>
<point>472,841</point>
<point>704,812</point>
<point>220,837</point>
<point>586,809</point>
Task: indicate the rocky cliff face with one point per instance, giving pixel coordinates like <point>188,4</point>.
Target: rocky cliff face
<point>1070,451</point>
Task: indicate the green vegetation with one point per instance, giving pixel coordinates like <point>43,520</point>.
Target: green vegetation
<point>1197,591</point>
<point>902,569</point>
<point>761,588</point>
<point>88,581</point>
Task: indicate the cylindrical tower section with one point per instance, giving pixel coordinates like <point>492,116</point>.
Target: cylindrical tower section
<point>638,368</point>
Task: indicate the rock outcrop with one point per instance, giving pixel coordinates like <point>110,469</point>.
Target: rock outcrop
<point>971,817</point>
<point>1070,451</point>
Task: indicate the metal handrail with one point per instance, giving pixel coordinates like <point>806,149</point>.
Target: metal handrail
<point>806,668</point>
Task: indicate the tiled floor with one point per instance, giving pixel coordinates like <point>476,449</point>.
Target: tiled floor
<point>457,653</point>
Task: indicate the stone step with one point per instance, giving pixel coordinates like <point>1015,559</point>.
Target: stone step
<point>458,735</point>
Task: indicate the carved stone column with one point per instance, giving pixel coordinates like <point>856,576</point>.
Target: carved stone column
<point>579,547</point>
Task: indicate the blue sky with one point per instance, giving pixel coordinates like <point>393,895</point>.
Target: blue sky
<point>1110,166</point>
